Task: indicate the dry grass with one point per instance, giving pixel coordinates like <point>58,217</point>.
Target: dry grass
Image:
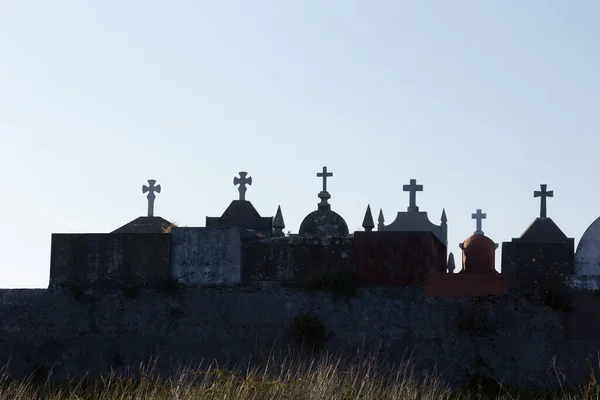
<point>327,378</point>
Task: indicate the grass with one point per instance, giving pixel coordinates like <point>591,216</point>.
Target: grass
<point>323,378</point>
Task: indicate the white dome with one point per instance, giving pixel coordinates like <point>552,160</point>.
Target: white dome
<point>587,258</point>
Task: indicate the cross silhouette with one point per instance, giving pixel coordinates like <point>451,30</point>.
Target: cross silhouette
<point>479,216</point>
<point>324,175</point>
<point>242,181</point>
<point>543,193</point>
<point>151,196</point>
<point>413,188</point>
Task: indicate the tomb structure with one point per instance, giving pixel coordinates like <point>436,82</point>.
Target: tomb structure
<point>242,214</point>
<point>478,276</point>
<point>587,259</point>
<point>149,223</point>
<point>542,253</point>
<point>413,220</point>
<point>324,222</point>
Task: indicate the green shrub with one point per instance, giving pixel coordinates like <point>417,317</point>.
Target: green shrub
<point>308,330</point>
<point>555,295</point>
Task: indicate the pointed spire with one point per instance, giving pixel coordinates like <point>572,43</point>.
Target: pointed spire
<point>380,220</point>
<point>451,265</point>
<point>278,224</point>
<point>368,223</point>
<point>444,218</point>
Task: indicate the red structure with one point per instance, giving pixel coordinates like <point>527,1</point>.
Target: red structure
<point>478,276</point>
<point>397,258</point>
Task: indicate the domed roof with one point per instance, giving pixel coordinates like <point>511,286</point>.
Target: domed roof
<point>588,249</point>
<point>478,254</point>
<point>587,259</point>
<point>323,222</point>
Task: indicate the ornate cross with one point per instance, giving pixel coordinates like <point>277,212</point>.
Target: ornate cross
<point>543,193</point>
<point>242,181</point>
<point>479,216</point>
<point>151,196</point>
<point>324,175</point>
<point>413,188</point>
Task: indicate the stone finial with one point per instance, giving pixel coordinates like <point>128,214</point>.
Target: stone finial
<point>478,216</point>
<point>413,188</point>
<point>242,181</point>
<point>543,193</point>
<point>368,223</point>
<point>151,196</point>
<point>451,264</point>
<point>324,194</point>
<point>444,219</point>
<point>380,220</point>
<point>278,224</point>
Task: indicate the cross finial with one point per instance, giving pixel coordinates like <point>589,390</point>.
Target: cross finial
<point>479,216</point>
<point>413,188</point>
<point>324,175</point>
<point>242,181</point>
<point>543,193</point>
<point>151,196</point>
<point>324,194</point>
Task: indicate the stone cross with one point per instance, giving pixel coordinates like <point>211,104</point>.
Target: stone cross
<point>479,216</point>
<point>413,188</point>
<point>324,175</point>
<point>543,193</point>
<point>242,181</point>
<point>151,196</point>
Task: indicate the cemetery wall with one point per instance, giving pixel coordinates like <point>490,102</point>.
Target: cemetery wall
<point>397,258</point>
<point>206,256</point>
<point>513,338</point>
<point>297,259</point>
<point>106,260</point>
<point>529,264</point>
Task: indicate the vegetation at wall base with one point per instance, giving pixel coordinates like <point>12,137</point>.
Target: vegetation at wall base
<point>324,378</point>
<point>308,331</point>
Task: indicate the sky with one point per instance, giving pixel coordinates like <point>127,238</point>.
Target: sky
<point>480,101</point>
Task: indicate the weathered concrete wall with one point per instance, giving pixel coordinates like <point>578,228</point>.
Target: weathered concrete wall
<point>528,264</point>
<point>397,258</point>
<point>510,337</point>
<point>107,260</point>
<point>296,259</point>
<point>206,256</point>
<point>480,284</point>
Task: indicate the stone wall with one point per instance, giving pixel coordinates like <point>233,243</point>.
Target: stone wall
<point>107,260</point>
<point>397,258</point>
<point>296,259</point>
<point>511,338</point>
<point>529,264</point>
<point>206,256</point>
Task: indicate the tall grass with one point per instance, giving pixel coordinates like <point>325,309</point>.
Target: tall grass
<point>325,378</point>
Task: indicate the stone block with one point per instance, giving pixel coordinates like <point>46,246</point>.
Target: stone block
<point>476,284</point>
<point>206,256</point>
<point>529,264</point>
<point>397,258</point>
<point>296,259</point>
<point>582,322</point>
<point>107,260</point>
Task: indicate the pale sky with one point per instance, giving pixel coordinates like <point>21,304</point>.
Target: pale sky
<point>480,101</point>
